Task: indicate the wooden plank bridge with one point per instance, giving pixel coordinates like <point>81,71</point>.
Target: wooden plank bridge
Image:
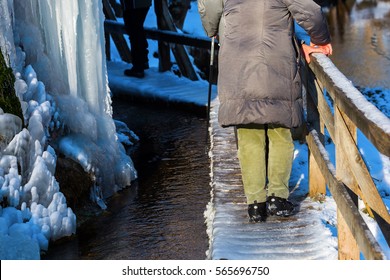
<point>348,179</point>
<point>233,237</point>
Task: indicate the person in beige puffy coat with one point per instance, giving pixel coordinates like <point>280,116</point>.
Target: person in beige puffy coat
<point>259,88</point>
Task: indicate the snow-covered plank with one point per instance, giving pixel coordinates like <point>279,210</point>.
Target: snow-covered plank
<point>369,119</point>
<point>302,236</point>
<point>165,87</point>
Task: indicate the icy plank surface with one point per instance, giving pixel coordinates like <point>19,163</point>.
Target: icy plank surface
<point>158,86</point>
<point>302,236</point>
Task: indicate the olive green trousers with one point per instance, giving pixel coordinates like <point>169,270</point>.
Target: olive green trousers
<point>265,173</point>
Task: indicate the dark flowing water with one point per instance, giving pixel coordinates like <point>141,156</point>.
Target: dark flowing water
<point>161,215</point>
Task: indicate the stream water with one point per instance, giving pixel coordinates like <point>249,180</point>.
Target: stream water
<point>161,215</point>
<point>361,41</point>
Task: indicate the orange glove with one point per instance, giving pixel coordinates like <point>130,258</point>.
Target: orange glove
<point>307,50</point>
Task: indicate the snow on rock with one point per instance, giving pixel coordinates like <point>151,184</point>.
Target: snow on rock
<point>33,208</point>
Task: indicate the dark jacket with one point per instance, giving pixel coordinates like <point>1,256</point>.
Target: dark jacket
<point>259,80</point>
<point>136,4</point>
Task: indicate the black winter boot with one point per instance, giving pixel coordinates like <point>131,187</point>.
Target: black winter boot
<point>135,72</point>
<point>280,206</point>
<point>257,212</point>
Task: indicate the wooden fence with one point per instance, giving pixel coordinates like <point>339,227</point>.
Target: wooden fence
<point>168,36</point>
<point>348,179</point>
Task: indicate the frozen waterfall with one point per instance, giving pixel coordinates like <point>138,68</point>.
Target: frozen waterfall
<point>56,50</point>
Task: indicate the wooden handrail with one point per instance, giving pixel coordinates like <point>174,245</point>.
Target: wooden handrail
<point>365,239</point>
<point>112,26</point>
<point>349,111</point>
<point>167,33</point>
<point>118,39</point>
<point>374,124</point>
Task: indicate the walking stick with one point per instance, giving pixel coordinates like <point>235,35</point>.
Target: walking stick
<point>211,72</point>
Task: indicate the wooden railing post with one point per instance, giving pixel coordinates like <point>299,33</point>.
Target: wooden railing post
<point>163,47</point>
<point>317,183</point>
<point>165,22</point>
<point>119,40</point>
<point>350,180</point>
<point>348,247</point>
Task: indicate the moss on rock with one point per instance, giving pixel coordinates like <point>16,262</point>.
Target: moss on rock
<point>9,102</point>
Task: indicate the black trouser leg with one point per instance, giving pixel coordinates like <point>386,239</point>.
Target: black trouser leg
<point>134,22</point>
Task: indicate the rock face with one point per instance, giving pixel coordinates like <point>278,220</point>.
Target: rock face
<point>76,184</point>
<point>9,102</point>
<point>10,125</point>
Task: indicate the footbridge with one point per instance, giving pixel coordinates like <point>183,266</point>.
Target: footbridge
<point>335,111</point>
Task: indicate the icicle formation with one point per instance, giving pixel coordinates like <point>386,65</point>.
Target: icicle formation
<point>63,88</point>
<point>33,210</point>
<point>64,42</point>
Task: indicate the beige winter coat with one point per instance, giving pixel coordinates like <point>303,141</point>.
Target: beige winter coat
<point>211,13</point>
<point>259,81</point>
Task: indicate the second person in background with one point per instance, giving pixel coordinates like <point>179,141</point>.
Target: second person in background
<point>134,15</point>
